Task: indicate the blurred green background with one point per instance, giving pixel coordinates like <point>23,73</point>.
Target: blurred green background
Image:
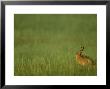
<point>46,44</point>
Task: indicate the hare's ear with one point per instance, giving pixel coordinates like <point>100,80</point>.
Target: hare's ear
<point>82,48</point>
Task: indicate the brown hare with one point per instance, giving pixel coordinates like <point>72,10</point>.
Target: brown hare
<point>83,59</point>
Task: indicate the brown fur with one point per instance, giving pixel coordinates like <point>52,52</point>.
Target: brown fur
<point>83,59</point>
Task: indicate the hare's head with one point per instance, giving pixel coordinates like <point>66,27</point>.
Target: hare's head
<point>79,53</point>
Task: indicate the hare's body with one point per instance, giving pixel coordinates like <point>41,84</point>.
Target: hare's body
<point>83,59</point>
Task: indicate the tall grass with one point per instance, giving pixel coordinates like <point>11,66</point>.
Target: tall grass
<point>45,45</point>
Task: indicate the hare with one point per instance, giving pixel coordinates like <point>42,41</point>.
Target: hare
<point>83,59</point>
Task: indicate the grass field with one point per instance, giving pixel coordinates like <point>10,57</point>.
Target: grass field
<point>45,45</point>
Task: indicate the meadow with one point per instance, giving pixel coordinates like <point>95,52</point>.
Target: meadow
<point>46,44</point>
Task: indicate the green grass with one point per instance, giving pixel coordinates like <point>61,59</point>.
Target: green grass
<point>45,45</point>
